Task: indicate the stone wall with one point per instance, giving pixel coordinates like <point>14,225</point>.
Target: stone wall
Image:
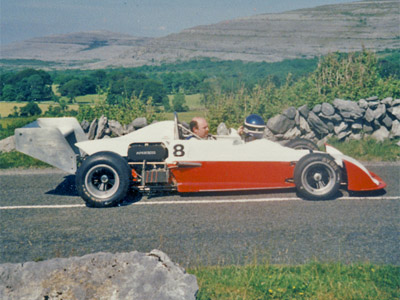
<point>343,119</point>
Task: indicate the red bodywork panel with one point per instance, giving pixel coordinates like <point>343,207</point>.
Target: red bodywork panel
<point>232,175</point>
<point>358,180</point>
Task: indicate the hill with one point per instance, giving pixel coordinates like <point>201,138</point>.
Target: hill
<point>373,24</point>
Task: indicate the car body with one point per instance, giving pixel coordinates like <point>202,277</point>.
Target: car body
<point>159,157</point>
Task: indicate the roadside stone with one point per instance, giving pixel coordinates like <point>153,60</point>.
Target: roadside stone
<point>380,112</point>
<point>342,135</point>
<point>327,109</point>
<point>100,276</point>
<point>395,132</point>
<point>395,111</point>
<point>304,110</point>
<point>317,109</point>
<point>92,130</point>
<point>348,109</point>
<point>367,127</point>
<point>317,124</point>
<point>381,134</point>
<point>356,127</point>
<point>373,98</point>
<point>139,123</point>
<point>355,136</point>
<point>304,126</point>
<point>290,113</point>
<point>280,124</point>
<point>101,127</point>
<point>115,127</point>
<point>222,129</point>
<point>7,144</point>
<point>387,121</point>
<point>387,101</point>
<point>362,103</point>
<point>292,133</point>
<point>85,126</point>
<point>340,128</point>
<point>336,118</point>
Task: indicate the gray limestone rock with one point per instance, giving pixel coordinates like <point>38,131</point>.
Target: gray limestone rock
<point>92,130</point>
<point>304,110</point>
<point>222,129</point>
<point>395,132</point>
<point>381,134</point>
<point>101,127</point>
<point>115,127</point>
<point>348,109</point>
<point>290,113</point>
<point>327,109</point>
<point>100,276</point>
<point>317,124</point>
<point>7,144</point>
<point>139,122</point>
<point>280,124</point>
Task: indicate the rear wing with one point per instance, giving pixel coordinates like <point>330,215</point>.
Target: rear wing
<point>52,140</point>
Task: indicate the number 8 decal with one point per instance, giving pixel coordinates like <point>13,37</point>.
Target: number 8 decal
<point>178,150</point>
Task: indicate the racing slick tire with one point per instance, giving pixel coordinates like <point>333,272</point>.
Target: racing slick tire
<point>317,177</point>
<point>302,144</point>
<point>103,179</point>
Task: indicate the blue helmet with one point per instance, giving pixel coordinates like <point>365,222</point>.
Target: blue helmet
<point>254,126</point>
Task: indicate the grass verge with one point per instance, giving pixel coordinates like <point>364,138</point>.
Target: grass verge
<point>308,281</point>
<point>16,159</point>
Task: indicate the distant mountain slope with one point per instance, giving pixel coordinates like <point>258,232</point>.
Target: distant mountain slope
<point>374,24</point>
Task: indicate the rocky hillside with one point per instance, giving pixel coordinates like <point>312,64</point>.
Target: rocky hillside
<point>373,24</point>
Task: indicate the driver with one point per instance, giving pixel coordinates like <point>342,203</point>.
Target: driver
<point>253,128</point>
<point>199,126</point>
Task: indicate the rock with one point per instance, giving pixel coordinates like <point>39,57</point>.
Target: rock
<point>327,109</point>
<point>317,109</point>
<point>355,136</point>
<point>381,134</point>
<point>131,275</point>
<point>356,127</point>
<point>139,122</point>
<point>85,126</point>
<point>373,104</point>
<point>362,103</point>
<point>222,129</point>
<point>304,127</point>
<point>373,98</point>
<point>317,124</point>
<point>115,127</point>
<point>336,118</point>
<point>367,127</point>
<point>395,111</point>
<point>395,132</point>
<point>280,124</point>
<point>292,133</point>
<point>269,135</point>
<point>387,121</point>
<point>92,130</point>
<point>7,144</point>
<point>310,136</point>
<point>101,127</point>
<point>340,128</point>
<point>369,115</point>
<point>396,102</point>
<point>304,110</point>
<point>341,136</point>
<point>387,101</point>
<point>290,113</point>
<point>128,128</point>
<point>349,110</point>
<point>380,112</point>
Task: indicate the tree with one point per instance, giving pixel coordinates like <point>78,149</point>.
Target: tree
<point>30,109</point>
<point>179,103</point>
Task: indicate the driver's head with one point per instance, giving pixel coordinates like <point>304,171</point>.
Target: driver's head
<point>254,127</point>
<point>199,127</point>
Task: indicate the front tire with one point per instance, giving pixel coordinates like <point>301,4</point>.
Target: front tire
<point>317,177</point>
<point>103,179</point>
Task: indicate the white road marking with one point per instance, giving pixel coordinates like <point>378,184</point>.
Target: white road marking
<point>175,202</point>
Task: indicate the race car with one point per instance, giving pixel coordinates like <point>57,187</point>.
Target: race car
<point>159,158</point>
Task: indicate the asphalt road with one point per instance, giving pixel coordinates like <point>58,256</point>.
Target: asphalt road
<point>201,228</point>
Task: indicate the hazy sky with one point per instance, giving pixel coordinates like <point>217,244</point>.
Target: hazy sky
<point>23,19</point>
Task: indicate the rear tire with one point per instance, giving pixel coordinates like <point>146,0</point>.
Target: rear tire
<point>103,179</point>
<point>302,144</point>
<point>317,177</point>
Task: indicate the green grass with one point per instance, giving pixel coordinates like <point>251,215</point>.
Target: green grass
<point>308,281</point>
<point>369,149</point>
<point>16,159</point>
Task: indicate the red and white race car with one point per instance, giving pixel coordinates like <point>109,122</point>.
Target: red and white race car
<point>159,158</point>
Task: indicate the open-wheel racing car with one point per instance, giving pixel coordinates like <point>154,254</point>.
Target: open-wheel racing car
<point>159,157</point>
